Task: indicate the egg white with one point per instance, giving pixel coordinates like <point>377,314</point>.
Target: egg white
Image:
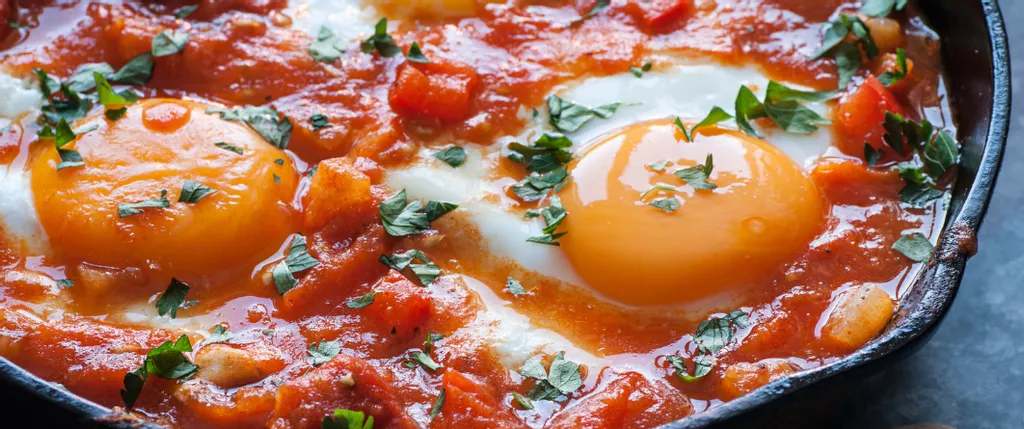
<point>19,97</point>
<point>350,20</point>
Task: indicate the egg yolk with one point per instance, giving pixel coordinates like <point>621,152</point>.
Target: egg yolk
<point>718,242</point>
<point>157,146</point>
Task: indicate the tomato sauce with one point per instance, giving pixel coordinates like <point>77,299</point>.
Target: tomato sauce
<point>484,70</point>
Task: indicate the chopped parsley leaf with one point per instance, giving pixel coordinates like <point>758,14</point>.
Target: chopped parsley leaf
<point>847,54</point>
<point>783,106</point>
<point>172,298</point>
<point>318,121</point>
<point>547,153</point>
<point>714,334</point>
<point>702,365</point>
<point>192,192</point>
<point>167,361</point>
<point>523,403</point>
<point>436,409</point>
<point>62,136</point>
<point>698,176</point>
<point>713,117</point>
<point>454,156</point>
<point>882,7</point>
<point>363,301</point>
<point>402,218</point>
<point>890,78</point>
<point>184,11</point>
<point>220,334</point>
<point>169,42</point>
<point>128,209</point>
<point>639,71</point>
<point>436,209</point>
<point>347,419</point>
<point>380,41</point>
<point>553,216</point>
<point>567,116</point>
<point>266,121</point>
<point>596,9</point>
<point>298,259</point>
<point>561,378</point>
<point>666,204</point>
<point>327,47</point>
<point>915,246</point>
<point>424,360</point>
<point>416,54</point>
<point>659,166</point>
<point>871,156</point>
<point>65,283</point>
<point>230,147</point>
<point>426,271</point>
<point>937,149</point>
<point>82,79</point>
<point>514,287</point>
<point>323,351</point>
<point>535,187</point>
<point>137,71</point>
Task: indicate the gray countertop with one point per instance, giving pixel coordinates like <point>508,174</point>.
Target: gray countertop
<point>971,374</point>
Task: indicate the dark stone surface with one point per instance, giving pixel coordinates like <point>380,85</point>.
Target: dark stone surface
<point>971,374</point>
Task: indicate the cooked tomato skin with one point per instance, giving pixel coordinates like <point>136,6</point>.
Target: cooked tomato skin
<point>441,89</point>
<point>344,382</point>
<point>630,400</point>
<point>399,306</point>
<point>471,405</point>
<point>859,118</point>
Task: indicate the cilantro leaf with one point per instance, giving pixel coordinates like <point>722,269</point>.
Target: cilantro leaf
<point>327,47</point>
<point>426,271</point>
<point>514,287</point>
<point>363,301</point>
<point>660,165</point>
<point>133,383</point>
<point>62,136</point>
<point>915,246</point>
<point>82,79</point>
<point>298,259</point>
<point>890,78</point>
<point>567,116</point>
<point>402,218</point>
<point>172,298</point>
<point>847,54</point>
<point>128,209</point>
<point>454,156</point>
<point>940,154</point>
<point>536,187</point>
<point>562,377</point>
<point>871,156</point>
<point>545,154</point>
<point>533,368</point>
<point>323,351</point>
<point>416,55</point>
<point>381,41</point>
<point>192,192</point>
<point>169,42</point>
<point>347,419</point>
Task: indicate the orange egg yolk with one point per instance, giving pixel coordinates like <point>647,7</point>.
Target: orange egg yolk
<point>156,146</point>
<point>718,242</point>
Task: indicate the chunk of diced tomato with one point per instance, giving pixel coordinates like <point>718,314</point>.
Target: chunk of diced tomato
<point>345,382</point>
<point>658,14</point>
<point>628,401</point>
<point>853,183</point>
<point>339,197</point>
<point>859,118</point>
<point>470,405</point>
<point>440,89</point>
<point>399,305</point>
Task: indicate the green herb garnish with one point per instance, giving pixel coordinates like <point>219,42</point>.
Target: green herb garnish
<point>323,351</point>
<point>128,209</point>
<point>426,271</point>
<point>454,156</point>
<point>380,41</point>
<point>169,42</point>
<point>915,246</point>
<point>567,116</point>
<point>172,299</point>
<point>327,47</point>
<point>192,192</point>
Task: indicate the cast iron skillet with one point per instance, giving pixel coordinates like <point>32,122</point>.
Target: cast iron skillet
<point>977,66</point>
